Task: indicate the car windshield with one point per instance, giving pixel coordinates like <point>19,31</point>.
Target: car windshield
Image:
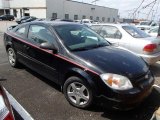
<point>78,37</point>
<point>135,32</point>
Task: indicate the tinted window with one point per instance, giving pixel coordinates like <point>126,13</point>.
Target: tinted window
<point>39,34</point>
<point>21,31</point>
<point>77,37</point>
<point>135,32</point>
<point>110,32</point>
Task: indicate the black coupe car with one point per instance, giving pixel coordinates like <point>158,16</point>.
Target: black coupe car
<point>83,63</point>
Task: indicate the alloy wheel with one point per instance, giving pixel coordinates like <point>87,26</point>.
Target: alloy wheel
<point>12,57</point>
<point>78,93</point>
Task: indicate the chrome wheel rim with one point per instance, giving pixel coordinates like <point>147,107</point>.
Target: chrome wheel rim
<point>11,56</point>
<point>78,93</point>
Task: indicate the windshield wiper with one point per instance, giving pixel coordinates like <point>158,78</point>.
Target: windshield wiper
<point>90,47</point>
<point>80,49</point>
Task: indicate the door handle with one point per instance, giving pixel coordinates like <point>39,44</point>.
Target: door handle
<point>26,47</point>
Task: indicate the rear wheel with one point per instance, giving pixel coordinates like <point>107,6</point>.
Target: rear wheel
<point>12,57</point>
<point>78,92</point>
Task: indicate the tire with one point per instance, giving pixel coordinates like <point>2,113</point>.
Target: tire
<point>78,92</point>
<point>12,57</point>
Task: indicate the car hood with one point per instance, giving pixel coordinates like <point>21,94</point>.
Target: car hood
<point>114,60</point>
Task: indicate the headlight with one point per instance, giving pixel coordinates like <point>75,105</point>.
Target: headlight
<point>116,82</point>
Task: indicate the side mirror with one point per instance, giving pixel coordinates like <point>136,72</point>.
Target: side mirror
<point>49,46</point>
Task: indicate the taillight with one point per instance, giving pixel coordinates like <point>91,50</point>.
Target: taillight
<point>150,48</point>
<point>5,110</point>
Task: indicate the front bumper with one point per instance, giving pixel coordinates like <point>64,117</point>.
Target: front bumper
<point>151,59</point>
<point>129,99</point>
<point>126,102</point>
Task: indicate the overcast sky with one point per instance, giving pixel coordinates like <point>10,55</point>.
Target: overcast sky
<point>126,7</point>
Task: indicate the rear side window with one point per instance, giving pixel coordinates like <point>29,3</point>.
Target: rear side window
<point>110,32</point>
<point>96,28</point>
<point>135,32</point>
<point>154,30</point>
<point>39,34</point>
<point>21,31</point>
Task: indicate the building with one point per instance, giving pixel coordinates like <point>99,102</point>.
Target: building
<point>63,9</point>
<point>4,7</point>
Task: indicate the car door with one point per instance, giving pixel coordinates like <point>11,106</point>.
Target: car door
<point>19,41</point>
<point>4,17</point>
<point>112,34</point>
<point>42,61</point>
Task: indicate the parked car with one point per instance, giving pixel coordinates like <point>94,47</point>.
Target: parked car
<point>66,20</point>
<point>77,21</point>
<point>132,39</point>
<point>25,19</point>
<point>154,31</point>
<point>29,19</point>
<point>22,18</point>
<point>83,63</point>
<point>7,17</point>
<point>146,25</point>
<point>6,112</point>
<point>86,22</point>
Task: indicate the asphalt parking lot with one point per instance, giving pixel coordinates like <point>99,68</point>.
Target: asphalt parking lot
<point>44,100</point>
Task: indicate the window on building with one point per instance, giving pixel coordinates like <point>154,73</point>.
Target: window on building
<point>109,19</point>
<point>103,19</point>
<point>97,18</point>
<point>110,32</point>
<point>75,17</point>
<point>91,17</point>
<point>66,16</point>
<point>54,16</point>
<point>114,20</point>
<point>83,17</point>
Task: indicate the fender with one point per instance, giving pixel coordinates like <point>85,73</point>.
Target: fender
<point>7,41</point>
<point>81,73</point>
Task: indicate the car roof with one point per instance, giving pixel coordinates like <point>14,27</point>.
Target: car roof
<point>53,23</point>
<point>111,24</point>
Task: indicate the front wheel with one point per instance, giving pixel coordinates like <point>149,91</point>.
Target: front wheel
<point>78,92</point>
<point>12,57</point>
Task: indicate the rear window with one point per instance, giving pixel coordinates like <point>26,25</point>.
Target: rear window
<point>135,32</point>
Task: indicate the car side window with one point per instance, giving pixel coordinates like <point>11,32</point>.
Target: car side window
<point>21,31</point>
<point>110,32</point>
<point>96,28</point>
<point>39,34</point>
<point>154,30</point>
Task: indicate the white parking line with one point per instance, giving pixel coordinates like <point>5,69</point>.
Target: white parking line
<point>21,111</point>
